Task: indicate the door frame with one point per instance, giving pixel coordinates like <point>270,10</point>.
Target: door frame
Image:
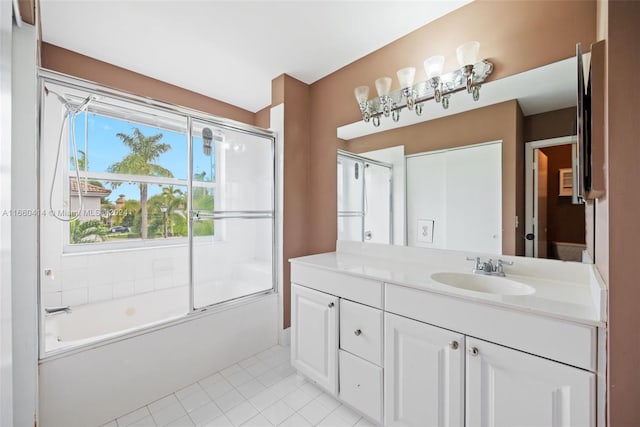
<point>530,147</point>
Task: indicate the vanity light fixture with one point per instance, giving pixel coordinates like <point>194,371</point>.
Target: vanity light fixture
<point>470,75</point>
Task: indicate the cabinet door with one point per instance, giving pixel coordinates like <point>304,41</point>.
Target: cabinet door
<point>314,336</point>
<point>508,388</point>
<point>423,374</point>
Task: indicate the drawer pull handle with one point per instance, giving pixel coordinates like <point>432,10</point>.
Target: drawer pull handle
<point>331,305</point>
<point>474,351</point>
<point>358,332</point>
<point>454,345</point>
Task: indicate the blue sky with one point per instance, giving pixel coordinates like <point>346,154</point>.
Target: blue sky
<point>105,148</point>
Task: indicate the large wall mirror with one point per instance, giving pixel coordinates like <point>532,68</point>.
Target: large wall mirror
<point>493,176</point>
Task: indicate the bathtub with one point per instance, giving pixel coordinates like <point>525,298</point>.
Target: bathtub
<point>102,320</point>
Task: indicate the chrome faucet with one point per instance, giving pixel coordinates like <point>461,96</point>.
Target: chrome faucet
<point>488,267</point>
<point>50,311</point>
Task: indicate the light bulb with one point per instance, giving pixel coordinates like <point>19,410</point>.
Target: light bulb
<point>361,93</point>
<point>383,86</point>
<point>406,76</point>
<point>468,53</point>
<point>433,66</point>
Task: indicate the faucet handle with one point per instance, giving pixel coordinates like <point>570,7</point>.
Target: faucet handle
<point>478,266</point>
<point>499,265</point>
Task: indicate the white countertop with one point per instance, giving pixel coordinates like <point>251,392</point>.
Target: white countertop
<point>565,290</point>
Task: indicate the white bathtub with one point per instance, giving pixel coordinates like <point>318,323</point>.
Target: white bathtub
<point>91,322</point>
<point>97,321</point>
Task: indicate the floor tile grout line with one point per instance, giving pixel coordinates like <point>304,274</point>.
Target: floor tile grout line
<point>280,366</point>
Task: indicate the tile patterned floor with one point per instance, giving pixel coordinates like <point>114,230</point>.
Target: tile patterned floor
<point>263,390</point>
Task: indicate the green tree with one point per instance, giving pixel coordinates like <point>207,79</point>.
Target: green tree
<point>87,231</point>
<point>145,150</point>
<point>176,202</point>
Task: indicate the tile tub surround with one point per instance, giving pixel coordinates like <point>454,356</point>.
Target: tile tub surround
<point>564,290</point>
<point>262,390</point>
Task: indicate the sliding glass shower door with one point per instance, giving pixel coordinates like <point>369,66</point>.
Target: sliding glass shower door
<point>148,212</point>
<point>232,213</point>
<point>364,199</point>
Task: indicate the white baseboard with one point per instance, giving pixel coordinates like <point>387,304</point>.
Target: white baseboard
<point>284,338</point>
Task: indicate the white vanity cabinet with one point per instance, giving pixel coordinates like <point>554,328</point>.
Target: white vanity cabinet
<point>423,374</point>
<point>405,357</point>
<point>337,335</point>
<point>506,387</point>
<point>314,336</point>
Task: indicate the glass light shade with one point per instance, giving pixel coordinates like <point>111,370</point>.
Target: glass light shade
<point>383,86</point>
<point>406,76</point>
<point>361,93</point>
<point>433,66</point>
<point>468,53</point>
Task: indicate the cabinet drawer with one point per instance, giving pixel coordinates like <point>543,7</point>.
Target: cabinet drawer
<point>361,331</point>
<point>361,385</point>
<point>365,291</point>
<point>555,339</point>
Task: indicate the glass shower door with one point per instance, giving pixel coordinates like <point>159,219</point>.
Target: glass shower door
<point>350,198</point>
<point>377,203</point>
<point>232,216</point>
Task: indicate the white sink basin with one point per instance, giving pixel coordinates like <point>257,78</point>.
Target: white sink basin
<point>480,283</point>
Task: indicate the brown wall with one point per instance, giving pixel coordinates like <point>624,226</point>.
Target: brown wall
<point>516,36</point>
<point>624,212</point>
<point>296,98</point>
<point>27,11</point>
<point>565,221</point>
<point>65,61</point>
<point>263,117</point>
<point>549,125</point>
<point>493,123</point>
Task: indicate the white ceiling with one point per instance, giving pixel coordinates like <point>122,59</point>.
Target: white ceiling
<point>231,50</point>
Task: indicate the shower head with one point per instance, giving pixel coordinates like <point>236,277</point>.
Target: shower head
<point>68,104</point>
<point>61,98</point>
<point>207,138</point>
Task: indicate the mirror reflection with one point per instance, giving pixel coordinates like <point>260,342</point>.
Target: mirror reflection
<point>493,176</point>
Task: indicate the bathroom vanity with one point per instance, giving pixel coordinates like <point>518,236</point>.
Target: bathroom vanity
<point>412,337</point>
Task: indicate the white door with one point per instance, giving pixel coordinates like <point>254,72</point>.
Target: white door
<point>423,374</point>
<point>509,388</point>
<point>540,180</point>
<point>314,336</point>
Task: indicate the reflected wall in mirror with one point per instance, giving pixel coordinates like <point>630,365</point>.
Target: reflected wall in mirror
<point>536,105</point>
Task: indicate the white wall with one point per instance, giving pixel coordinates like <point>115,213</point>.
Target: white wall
<point>24,228</point>
<point>93,386</point>
<point>6,347</point>
<point>460,190</point>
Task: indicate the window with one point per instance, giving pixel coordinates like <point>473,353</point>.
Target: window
<point>168,210</point>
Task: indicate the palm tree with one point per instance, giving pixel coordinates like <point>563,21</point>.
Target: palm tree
<point>87,231</point>
<point>144,151</point>
<point>175,201</point>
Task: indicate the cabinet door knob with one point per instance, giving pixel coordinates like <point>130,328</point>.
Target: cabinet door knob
<point>474,351</point>
<point>454,345</point>
<point>357,332</point>
<point>331,305</point>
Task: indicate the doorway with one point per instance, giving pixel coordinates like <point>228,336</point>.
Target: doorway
<point>555,227</point>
